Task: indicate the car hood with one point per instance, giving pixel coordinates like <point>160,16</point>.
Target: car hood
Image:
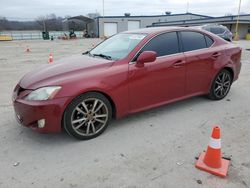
<point>63,69</point>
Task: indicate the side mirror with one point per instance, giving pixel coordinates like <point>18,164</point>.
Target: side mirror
<point>146,57</point>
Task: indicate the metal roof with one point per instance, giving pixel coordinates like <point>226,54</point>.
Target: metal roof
<point>223,19</point>
<point>148,16</point>
<point>82,18</point>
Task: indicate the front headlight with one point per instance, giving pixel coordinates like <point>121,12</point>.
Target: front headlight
<point>43,93</point>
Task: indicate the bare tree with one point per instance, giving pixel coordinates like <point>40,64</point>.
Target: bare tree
<point>4,23</point>
<point>50,22</point>
<point>44,23</point>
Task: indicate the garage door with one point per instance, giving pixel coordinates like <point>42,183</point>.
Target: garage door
<point>133,25</point>
<point>110,29</point>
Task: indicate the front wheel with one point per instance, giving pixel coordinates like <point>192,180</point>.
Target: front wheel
<point>87,116</point>
<point>221,85</point>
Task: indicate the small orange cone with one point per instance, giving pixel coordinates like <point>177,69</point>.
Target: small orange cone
<point>27,49</point>
<point>211,161</point>
<point>50,58</point>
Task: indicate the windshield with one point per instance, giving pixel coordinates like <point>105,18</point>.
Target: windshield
<point>118,46</point>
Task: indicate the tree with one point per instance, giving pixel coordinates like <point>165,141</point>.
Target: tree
<point>50,22</point>
<point>4,23</point>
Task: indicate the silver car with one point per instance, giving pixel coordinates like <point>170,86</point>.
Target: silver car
<point>219,30</point>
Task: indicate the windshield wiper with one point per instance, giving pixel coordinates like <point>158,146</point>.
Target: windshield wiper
<point>103,56</point>
<point>84,53</point>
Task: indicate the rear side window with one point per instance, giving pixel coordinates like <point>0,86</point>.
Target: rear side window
<point>209,41</point>
<point>164,44</point>
<point>192,41</point>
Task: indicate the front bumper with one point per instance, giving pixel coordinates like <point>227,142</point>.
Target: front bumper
<point>29,112</point>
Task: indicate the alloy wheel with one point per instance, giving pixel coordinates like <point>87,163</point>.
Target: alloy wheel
<point>89,117</point>
<point>222,84</point>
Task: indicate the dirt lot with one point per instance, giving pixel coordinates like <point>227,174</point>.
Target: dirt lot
<point>156,148</point>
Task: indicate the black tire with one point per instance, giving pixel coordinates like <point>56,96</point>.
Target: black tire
<point>220,88</point>
<point>77,110</point>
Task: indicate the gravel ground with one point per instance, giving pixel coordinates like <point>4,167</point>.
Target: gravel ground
<point>156,148</point>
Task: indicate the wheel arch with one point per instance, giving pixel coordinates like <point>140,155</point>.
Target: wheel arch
<point>229,69</point>
<point>113,105</point>
<point>109,99</point>
<point>211,95</point>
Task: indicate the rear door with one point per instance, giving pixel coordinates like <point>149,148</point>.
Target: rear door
<point>161,81</point>
<point>200,58</point>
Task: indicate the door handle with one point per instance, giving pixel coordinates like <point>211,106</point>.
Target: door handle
<point>178,63</point>
<point>215,55</point>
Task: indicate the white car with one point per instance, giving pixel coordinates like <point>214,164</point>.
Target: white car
<point>220,30</point>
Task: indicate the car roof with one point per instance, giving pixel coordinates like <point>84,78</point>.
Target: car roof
<point>152,31</point>
<point>155,30</point>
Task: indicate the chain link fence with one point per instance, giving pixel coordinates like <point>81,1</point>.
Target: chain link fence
<point>35,35</point>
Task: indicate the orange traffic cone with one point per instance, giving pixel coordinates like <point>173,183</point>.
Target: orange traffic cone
<point>211,161</point>
<point>27,49</point>
<point>50,58</point>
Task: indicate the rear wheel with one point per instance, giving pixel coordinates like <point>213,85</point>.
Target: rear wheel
<point>221,85</point>
<point>87,116</point>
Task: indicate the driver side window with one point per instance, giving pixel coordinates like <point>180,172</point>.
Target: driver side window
<point>163,44</point>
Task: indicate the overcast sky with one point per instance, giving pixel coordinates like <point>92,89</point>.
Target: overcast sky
<point>33,8</point>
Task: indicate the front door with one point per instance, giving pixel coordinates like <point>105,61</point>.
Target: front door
<point>161,81</point>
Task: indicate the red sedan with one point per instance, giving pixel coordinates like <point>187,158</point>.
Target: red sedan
<point>127,73</point>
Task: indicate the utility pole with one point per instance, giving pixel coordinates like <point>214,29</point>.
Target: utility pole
<point>236,37</point>
<point>103,8</point>
<point>187,7</point>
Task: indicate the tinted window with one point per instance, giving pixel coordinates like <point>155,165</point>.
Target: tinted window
<point>222,30</point>
<point>164,44</point>
<point>206,28</point>
<point>216,30</point>
<point>209,41</point>
<point>192,41</point>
